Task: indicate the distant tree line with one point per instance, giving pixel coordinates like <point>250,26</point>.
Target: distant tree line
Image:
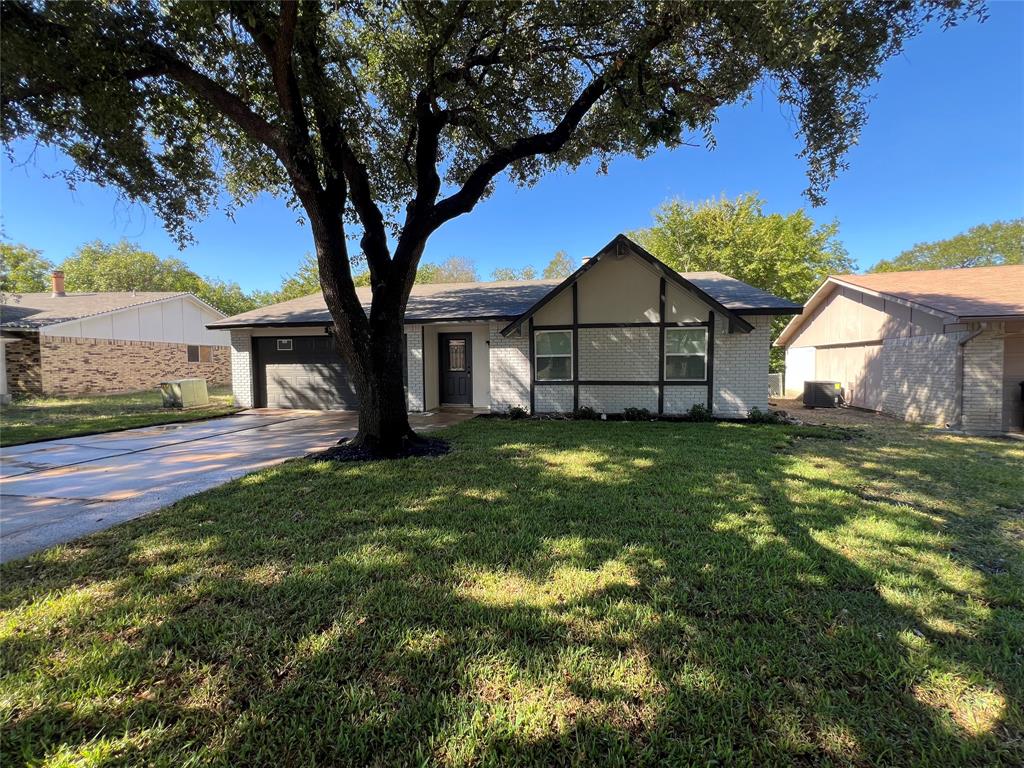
<point>124,266</point>
<point>786,254</point>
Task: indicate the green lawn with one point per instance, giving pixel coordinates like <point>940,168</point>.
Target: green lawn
<point>29,420</point>
<point>550,593</point>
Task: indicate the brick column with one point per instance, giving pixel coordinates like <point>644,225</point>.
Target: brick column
<point>510,369</point>
<point>241,368</point>
<point>983,381</point>
<point>415,400</point>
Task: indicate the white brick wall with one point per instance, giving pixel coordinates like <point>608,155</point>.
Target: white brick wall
<point>983,381</point>
<point>241,368</point>
<point>618,353</point>
<point>615,398</point>
<point>679,399</point>
<point>920,378</point>
<point>741,367</point>
<point>553,398</point>
<point>414,360</point>
<point>740,371</point>
<point>510,369</point>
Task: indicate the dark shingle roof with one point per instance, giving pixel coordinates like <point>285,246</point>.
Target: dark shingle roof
<point>739,296</point>
<point>504,300</point>
<point>431,302</point>
<point>36,310</point>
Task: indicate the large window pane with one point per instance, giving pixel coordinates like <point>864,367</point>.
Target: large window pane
<point>686,341</point>
<point>554,368</point>
<point>685,367</point>
<point>554,342</point>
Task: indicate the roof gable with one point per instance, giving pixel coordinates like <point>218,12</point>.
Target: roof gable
<point>709,287</point>
<point>972,292</point>
<point>955,295</point>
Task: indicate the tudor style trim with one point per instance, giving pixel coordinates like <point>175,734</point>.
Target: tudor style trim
<point>575,349</point>
<point>533,371</point>
<point>662,289</point>
<point>617,243</point>
<point>710,370</point>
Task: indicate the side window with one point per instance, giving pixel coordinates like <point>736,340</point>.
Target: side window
<point>205,354</point>
<point>192,353</point>
<point>553,355</point>
<point>686,354</point>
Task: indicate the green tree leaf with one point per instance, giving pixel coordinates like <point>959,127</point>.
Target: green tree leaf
<point>986,245</point>
<point>787,255</point>
<point>23,269</point>
<point>559,268</point>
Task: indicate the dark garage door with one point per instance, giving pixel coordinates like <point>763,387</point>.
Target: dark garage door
<point>303,372</point>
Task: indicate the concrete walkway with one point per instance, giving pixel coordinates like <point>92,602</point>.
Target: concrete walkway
<point>55,491</point>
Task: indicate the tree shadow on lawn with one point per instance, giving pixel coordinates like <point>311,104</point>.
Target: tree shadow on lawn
<point>546,594</point>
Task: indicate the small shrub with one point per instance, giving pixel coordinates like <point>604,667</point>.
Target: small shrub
<point>517,412</point>
<point>699,412</point>
<point>586,413</point>
<point>636,414</point>
<point>757,416</point>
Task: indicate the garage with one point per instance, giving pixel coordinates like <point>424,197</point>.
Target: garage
<point>302,372</point>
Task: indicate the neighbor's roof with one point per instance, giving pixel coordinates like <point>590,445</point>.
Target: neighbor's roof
<point>970,293</point>
<point>37,310</point>
<point>958,295</point>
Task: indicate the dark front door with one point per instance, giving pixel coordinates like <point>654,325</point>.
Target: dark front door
<point>456,350</point>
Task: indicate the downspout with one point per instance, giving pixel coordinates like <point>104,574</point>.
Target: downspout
<point>963,343</point>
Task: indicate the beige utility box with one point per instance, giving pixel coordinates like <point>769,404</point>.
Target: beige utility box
<point>185,393</point>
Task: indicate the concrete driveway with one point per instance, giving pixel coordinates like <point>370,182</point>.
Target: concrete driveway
<point>58,490</point>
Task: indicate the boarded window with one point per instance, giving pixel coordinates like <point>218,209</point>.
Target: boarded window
<point>199,353</point>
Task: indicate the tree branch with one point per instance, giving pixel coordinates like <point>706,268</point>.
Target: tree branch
<point>549,142</point>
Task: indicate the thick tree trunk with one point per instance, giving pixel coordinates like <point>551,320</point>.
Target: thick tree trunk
<point>383,415</point>
<point>373,346</point>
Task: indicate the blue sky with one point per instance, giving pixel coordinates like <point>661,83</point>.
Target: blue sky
<point>943,151</point>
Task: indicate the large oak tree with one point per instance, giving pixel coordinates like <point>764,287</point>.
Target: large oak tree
<point>387,119</point>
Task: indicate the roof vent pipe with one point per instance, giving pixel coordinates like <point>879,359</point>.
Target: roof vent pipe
<point>57,283</point>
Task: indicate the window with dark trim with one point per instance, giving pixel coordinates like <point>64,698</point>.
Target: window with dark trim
<point>686,354</point>
<point>553,355</point>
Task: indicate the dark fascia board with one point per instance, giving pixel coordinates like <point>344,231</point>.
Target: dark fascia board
<point>981,318</point>
<point>318,323</point>
<point>771,311</point>
<point>668,272</point>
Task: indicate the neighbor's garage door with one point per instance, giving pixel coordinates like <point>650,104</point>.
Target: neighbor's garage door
<point>303,372</point>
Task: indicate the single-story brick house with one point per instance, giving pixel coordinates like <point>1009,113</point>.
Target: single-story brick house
<point>623,331</point>
<point>71,343</point>
<point>937,346</point>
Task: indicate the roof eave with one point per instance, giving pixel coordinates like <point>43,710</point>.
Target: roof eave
<point>327,321</point>
<point>990,318</point>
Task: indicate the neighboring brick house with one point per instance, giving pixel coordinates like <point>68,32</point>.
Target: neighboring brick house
<point>71,343</point>
<point>623,331</point>
<point>936,346</point>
